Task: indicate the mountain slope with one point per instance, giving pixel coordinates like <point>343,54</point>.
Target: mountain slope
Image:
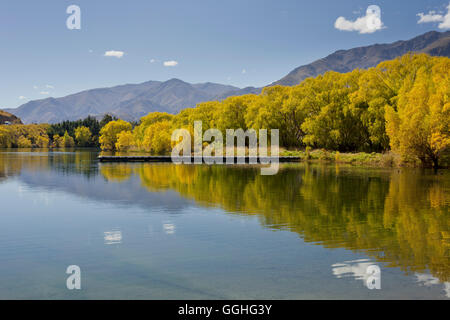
<point>129,102</point>
<point>6,117</point>
<point>433,43</point>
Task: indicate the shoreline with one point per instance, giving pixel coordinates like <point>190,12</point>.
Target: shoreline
<point>191,159</point>
<point>380,160</point>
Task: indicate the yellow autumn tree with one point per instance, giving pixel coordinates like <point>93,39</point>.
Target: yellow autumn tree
<point>83,136</point>
<point>6,137</point>
<point>57,141</point>
<point>401,104</point>
<point>419,127</point>
<point>108,134</point>
<point>157,138</point>
<point>67,141</point>
<point>24,142</point>
<point>42,142</point>
<point>125,141</point>
<point>147,121</point>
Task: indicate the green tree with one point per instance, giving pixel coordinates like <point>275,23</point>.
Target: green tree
<point>107,118</point>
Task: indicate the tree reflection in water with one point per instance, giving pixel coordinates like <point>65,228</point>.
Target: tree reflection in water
<point>400,217</point>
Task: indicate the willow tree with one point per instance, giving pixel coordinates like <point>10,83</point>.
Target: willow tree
<point>6,137</point>
<point>336,123</point>
<point>108,134</point>
<point>272,109</point>
<point>419,126</point>
<point>83,136</point>
<point>146,121</point>
<point>157,138</point>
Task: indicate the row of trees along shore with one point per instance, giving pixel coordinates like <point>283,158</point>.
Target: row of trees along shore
<point>67,134</point>
<point>401,105</point>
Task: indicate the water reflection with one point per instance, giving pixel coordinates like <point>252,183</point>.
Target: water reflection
<point>64,161</point>
<point>169,228</point>
<point>428,280</point>
<point>357,269</point>
<point>398,218</point>
<point>113,237</point>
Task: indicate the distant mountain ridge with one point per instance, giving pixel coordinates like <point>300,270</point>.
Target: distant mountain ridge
<point>434,43</point>
<point>132,101</point>
<point>129,102</point>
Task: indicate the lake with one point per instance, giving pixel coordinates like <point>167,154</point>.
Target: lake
<point>165,231</point>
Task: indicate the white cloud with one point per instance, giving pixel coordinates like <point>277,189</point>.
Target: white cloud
<point>356,269</point>
<point>428,280</point>
<point>446,21</point>
<point>116,54</point>
<point>44,92</point>
<point>22,97</point>
<point>369,23</point>
<point>170,63</point>
<point>432,16</point>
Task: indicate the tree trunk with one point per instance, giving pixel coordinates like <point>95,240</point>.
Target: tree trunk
<point>435,162</point>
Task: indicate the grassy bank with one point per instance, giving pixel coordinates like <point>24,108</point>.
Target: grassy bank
<point>388,159</point>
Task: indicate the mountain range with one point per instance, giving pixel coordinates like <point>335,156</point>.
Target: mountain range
<point>128,102</point>
<point>132,101</point>
<point>433,43</point>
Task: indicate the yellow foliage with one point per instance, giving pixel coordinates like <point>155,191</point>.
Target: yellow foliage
<point>23,142</point>
<point>57,141</point>
<point>125,140</point>
<point>409,214</point>
<point>23,136</point>
<point>108,134</point>
<point>157,138</point>
<point>67,141</point>
<point>6,137</point>
<point>419,125</point>
<point>83,136</point>
<point>401,104</point>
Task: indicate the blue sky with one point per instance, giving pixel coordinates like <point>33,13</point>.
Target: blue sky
<point>238,42</point>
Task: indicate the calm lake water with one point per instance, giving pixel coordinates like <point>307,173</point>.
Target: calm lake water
<point>161,231</point>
